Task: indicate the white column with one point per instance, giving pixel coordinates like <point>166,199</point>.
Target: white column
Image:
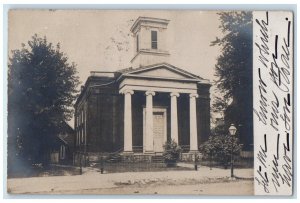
<point>174,117</point>
<point>193,123</point>
<point>149,121</point>
<point>127,121</point>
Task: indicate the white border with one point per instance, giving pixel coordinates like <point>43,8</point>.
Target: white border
<point>260,5</point>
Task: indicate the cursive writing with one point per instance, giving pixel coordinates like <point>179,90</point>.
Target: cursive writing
<point>263,53</point>
<point>262,178</point>
<point>273,103</point>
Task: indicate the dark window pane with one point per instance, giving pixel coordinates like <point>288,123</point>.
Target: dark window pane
<point>154,39</point>
<point>154,45</point>
<point>153,35</point>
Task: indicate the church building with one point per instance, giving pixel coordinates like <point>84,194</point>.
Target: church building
<point>134,111</point>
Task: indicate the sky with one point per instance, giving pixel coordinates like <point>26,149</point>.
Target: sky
<point>100,40</point>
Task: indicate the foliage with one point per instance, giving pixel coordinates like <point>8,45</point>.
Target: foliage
<point>171,151</point>
<point>41,90</point>
<point>218,148</point>
<point>218,129</point>
<point>219,105</point>
<point>234,71</point>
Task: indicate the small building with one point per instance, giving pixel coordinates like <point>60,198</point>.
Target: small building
<point>135,110</point>
<point>63,147</point>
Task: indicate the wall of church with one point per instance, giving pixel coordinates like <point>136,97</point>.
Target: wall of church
<point>203,113</point>
<point>145,38</point>
<point>138,101</point>
<point>145,59</point>
<point>104,126</point>
<point>183,112</point>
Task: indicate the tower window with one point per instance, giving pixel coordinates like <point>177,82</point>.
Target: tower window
<point>154,39</point>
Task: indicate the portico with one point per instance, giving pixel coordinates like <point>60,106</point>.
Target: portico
<point>150,81</point>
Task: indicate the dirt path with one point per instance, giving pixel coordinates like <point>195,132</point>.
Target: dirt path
<point>204,181</point>
<point>221,188</point>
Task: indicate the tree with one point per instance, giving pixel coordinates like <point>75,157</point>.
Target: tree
<point>234,72</point>
<point>218,107</point>
<point>41,90</point>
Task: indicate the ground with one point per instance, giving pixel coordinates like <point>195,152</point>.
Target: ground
<point>204,182</point>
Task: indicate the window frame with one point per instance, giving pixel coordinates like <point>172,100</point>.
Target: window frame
<point>154,42</point>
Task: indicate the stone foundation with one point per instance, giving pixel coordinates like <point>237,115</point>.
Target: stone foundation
<point>92,157</point>
<point>136,158</point>
<point>190,156</point>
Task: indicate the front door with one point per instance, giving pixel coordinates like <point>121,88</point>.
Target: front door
<point>159,128</point>
<point>158,131</point>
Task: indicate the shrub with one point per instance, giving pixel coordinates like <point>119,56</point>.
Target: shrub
<point>171,152</point>
<point>218,148</point>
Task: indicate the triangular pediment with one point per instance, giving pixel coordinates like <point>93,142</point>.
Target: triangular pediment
<point>162,71</point>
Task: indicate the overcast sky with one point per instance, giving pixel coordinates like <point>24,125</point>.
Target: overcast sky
<point>101,40</point>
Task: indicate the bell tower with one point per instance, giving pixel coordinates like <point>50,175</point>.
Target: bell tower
<point>150,41</point>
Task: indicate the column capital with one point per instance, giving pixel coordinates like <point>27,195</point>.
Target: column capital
<point>194,95</point>
<point>149,93</point>
<point>174,94</point>
<point>128,91</point>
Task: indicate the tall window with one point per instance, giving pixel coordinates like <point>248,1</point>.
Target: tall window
<point>62,152</point>
<point>77,137</point>
<point>137,43</point>
<point>82,135</point>
<point>154,39</point>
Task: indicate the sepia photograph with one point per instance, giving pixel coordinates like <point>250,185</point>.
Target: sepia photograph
<point>131,102</point>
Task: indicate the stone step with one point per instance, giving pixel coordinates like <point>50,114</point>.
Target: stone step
<point>158,159</point>
<point>114,158</point>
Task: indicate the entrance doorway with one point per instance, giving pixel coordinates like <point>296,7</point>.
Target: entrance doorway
<point>159,129</point>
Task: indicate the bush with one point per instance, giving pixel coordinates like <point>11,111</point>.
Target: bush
<point>218,148</point>
<point>171,152</point>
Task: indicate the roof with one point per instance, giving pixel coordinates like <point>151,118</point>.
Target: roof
<point>66,128</point>
<point>131,70</point>
<point>148,19</point>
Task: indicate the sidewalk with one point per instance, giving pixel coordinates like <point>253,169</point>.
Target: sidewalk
<point>95,180</point>
<point>245,173</point>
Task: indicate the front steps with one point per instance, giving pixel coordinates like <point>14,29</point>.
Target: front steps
<point>158,159</point>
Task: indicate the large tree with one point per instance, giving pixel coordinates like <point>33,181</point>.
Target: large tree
<point>41,90</point>
<point>234,72</point>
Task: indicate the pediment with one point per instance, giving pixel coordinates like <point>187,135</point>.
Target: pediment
<point>162,71</point>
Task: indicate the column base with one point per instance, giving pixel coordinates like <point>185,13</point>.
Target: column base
<point>149,152</point>
<point>127,153</point>
<point>127,157</point>
<point>194,151</point>
<point>194,155</point>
